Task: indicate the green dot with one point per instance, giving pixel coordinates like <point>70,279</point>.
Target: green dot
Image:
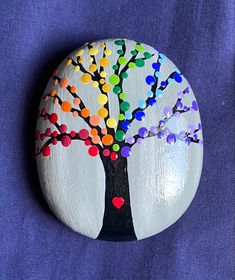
<point>115,67</point>
<point>122,96</point>
<point>120,52</point>
<point>116,147</point>
<point>139,48</point>
<point>131,65</point>
<point>147,55</point>
<point>119,42</point>
<point>116,89</point>
<point>139,62</point>
<point>125,106</point>
<point>120,135</point>
<point>122,60</point>
<point>133,53</point>
<point>121,117</point>
<point>124,75</point>
<point>114,79</point>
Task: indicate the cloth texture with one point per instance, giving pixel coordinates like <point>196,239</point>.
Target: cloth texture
<point>35,36</point>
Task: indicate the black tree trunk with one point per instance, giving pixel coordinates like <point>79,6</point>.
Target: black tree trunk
<point>117,223</point>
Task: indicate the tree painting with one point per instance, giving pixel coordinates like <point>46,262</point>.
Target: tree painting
<point>109,141</point>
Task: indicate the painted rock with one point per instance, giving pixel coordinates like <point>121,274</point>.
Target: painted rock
<point>118,141</point>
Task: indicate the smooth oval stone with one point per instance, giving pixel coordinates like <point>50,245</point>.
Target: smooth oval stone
<point>119,141</point>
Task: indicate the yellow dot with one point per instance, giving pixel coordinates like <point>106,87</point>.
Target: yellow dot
<point>106,88</point>
<point>95,84</point>
<point>103,112</point>
<point>79,53</point>
<point>92,67</point>
<point>91,59</point>
<point>86,78</point>
<point>76,68</point>
<point>102,81</point>
<point>69,62</point>
<point>104,62</point>
<point>102,99</point>
<point>103,74</point>
<point>108,52</point>
<point>81,60</point>
<point>93,51</point>
<point>111,122</point>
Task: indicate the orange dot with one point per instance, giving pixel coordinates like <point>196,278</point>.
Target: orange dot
<point>64,82</point>
<point>92,67</point>
<point>94,120</point>
<point>94,131</point>
<point>55,82</point>
<point>95,139</point>
<point>104,131</point>
<point>86,78</point>
<point>107,140</point>
<point>85,113</point>
<point>106,88</point>
<point>53,92</point>
<point>56,101</point>
<point>66,106</point>
<point>75,114</point>
<point>73,89</point>
<point>77,101</point>
<point>104,62</point>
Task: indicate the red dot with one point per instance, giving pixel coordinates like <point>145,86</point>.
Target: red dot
<point>63,128</point>
<point>54,133</point>
<point>93,151</point>
<point>73,133</point>
<point>66,141</point>
<point>46,151</point>
<point>87,142</point>
<point>83,134</point>
<point>113,156</point>
<point>106,152</point>
<point>53,118</point>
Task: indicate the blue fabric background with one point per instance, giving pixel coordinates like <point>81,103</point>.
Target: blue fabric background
<point>198,36</point>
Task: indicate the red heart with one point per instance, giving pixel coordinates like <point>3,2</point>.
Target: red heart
<point>118,202</point>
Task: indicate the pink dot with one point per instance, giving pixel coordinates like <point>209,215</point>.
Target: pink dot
<point>106,152</point>
<point>43,111</point>
<point>42,137</point>
<point>48,132</point>
<point>63,128</point>
<point>66,141</point>
<point>54,133</point>
<point>83,134</point>
<point>93,151</point>
<point>94,120</point>
<point>54,141</point>
<point>46,151</point>
<point>73,133</point>
<point>87,142</point>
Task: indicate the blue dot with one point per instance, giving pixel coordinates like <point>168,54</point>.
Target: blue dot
<point>140,115</point>
<point>156,66</point>
<point>150,80</point>
<point>157,74</point>
<point>152,102</point>
<point>150,93</point>
<point>163,84</point>
<point>125,125</point>
<point>142,104</point>
<point>177,77</point>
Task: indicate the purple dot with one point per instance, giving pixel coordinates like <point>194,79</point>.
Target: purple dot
<point>126,151</point>
<point>153,129</point>
<point>195,137</point>
<point>171,139</point>
<point>185,108</point>
<point>177,114</point>
<point>180,94</point>
<point>168,112</point>
<point>160,135</point>
<point>187,90</point>
<point>182,134</point>
<point>143,132</point>
<point>187,141</point>
<point>140,141</point>
<point>194,105</point>
<point>161,123</point>
<point>130,140</point>
<point>191,128</point>
<point>166,131</point>
<point>199,126</point>
<point>150,80</point>
<point>179,105</point>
